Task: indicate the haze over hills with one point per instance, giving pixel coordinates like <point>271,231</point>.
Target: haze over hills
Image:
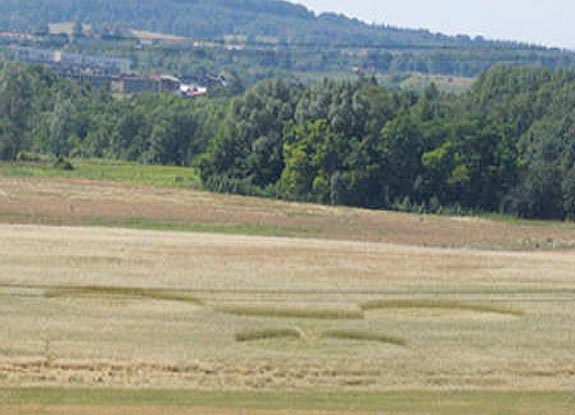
<point>532,21</point>
<point>284,21</point>
<point>278,35</point>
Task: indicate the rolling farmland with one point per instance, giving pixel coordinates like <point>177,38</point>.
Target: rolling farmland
<point>258,306</point>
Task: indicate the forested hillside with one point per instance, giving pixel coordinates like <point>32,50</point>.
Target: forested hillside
<point>507,145</point>
<point>277,34</point>
<point>211,19</point>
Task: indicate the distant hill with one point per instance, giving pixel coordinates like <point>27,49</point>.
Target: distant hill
<point>282,20</point>
<point>377,48</point>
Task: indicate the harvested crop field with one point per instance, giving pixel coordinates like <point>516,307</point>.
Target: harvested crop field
<point>182,301</point>
<point>273,306</point>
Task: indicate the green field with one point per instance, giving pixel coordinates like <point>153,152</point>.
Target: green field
<point>111,171</point>
<point>405,403</point>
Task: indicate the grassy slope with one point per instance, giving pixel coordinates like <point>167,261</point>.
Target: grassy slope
<point>166,198</point>
<point>136,174</point>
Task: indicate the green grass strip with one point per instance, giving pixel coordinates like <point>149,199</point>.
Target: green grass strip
<point>273,311</point>
<point>267,334</point>
<point>364,336</point>
<point>443,305</point>
<point>109,171</point>
<point>101,291</point>
<point>408,403</point>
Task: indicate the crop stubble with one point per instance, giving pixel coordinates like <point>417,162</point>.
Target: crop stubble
<point>142,334</point>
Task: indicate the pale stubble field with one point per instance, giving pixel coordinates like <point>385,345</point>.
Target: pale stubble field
<point>58,328</point>
<point>88,308</point>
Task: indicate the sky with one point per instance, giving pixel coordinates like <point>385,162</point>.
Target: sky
<point>542,22</point>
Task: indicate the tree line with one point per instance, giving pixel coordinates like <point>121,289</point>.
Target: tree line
<point>507,145</point>
<point>43,113</point>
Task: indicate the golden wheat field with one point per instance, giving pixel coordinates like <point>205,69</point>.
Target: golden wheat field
<point>372,306</point>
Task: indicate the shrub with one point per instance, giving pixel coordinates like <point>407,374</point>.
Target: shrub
<point>63,164</point>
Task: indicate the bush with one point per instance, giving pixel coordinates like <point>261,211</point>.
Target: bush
<point>63,164</point>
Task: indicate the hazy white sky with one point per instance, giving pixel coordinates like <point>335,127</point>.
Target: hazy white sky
<point>547,22</point>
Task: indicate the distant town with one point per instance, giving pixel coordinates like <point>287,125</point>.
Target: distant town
<point>114,74</point>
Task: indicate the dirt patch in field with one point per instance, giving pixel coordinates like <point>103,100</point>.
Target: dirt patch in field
<point>77,202</point>
<point>210,376</point>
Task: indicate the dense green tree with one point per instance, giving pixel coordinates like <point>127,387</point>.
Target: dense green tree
<point>59,127</point>
<point>355,144</point>
<point>14,102</point>
<point>311,158</point>
<point>249,146</point>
